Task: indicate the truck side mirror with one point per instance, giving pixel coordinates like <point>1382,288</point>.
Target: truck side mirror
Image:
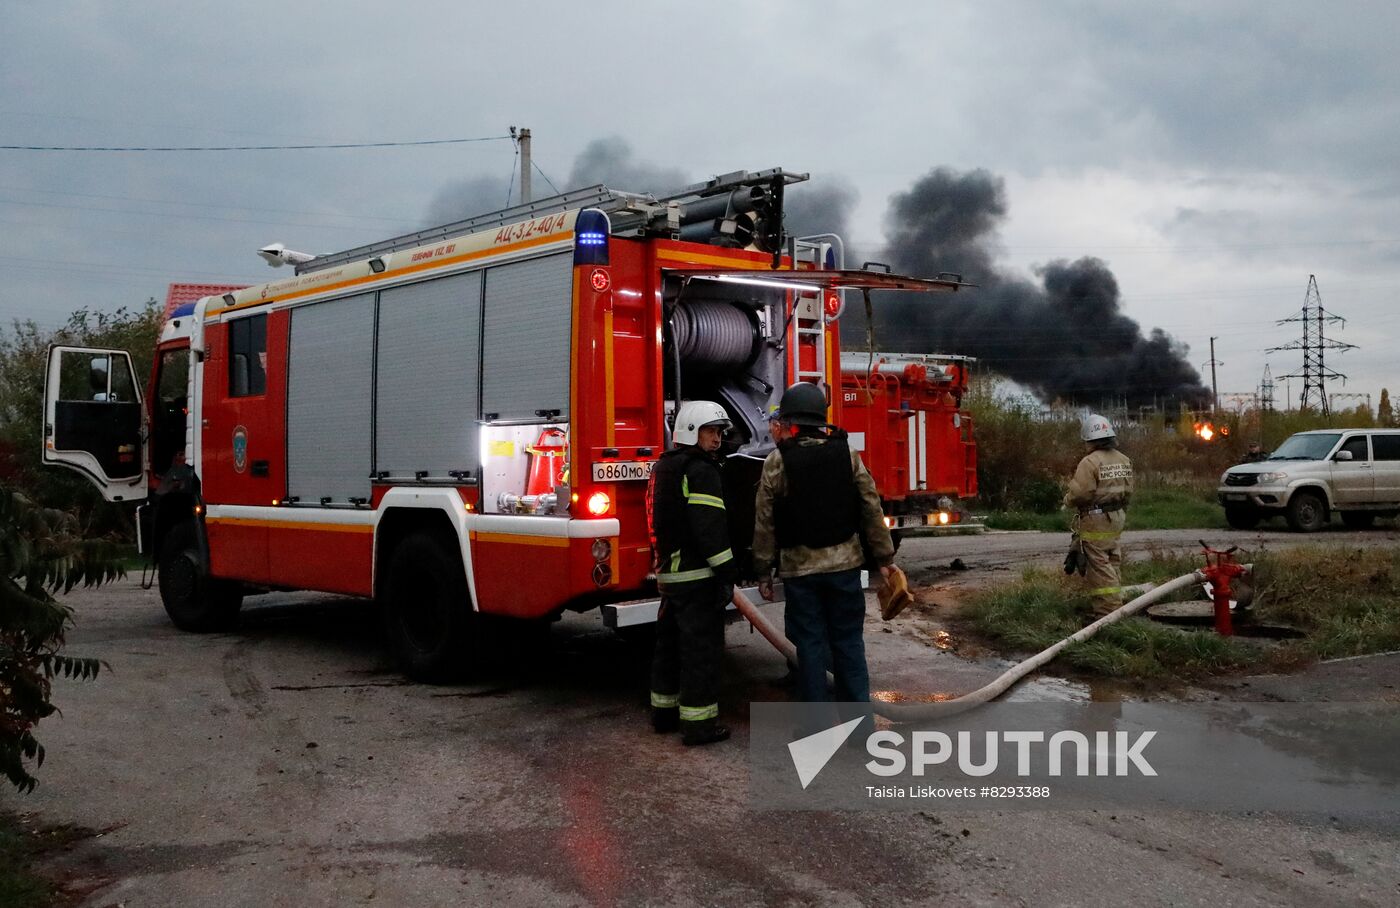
<point>1342,456</point>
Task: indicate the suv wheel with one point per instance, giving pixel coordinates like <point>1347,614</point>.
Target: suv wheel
<point>1242,516</point>
<point>1306,512</point>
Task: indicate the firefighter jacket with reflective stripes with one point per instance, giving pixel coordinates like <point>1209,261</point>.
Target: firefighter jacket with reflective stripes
<point>800,560</point>
<point>689,527</point>
<point>1103,481</point>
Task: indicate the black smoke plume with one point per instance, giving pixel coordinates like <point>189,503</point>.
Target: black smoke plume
<point>1064,335</point>
<point>609,161</point>
<point>823,205</point>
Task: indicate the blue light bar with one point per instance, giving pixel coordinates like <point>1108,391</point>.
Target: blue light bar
<point>591,233</point>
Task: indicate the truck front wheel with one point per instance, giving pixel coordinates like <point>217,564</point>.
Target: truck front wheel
<point>1306,512</point>
<point>194,600</point>
<point>427,613</point>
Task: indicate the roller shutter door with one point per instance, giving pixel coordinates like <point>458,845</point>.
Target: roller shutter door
<point>525,338</point>
<point>328,400</point>
<point>426,381</point>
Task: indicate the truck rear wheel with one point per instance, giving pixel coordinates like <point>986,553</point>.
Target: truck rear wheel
<point>194,601</point>
<point>428,615</point>
<point>1306,512</point>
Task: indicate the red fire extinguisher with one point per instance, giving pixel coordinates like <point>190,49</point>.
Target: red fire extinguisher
<point>547,457</point>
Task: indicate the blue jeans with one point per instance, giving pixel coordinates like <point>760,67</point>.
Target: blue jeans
<point>825,619</point>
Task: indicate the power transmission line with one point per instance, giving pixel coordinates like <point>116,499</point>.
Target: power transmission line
<point>141,148</point>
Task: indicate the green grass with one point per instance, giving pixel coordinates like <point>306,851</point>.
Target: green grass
<point>1346,601</point>
<point>1151,509</point>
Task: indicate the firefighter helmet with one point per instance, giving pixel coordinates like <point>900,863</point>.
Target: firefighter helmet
<point>1095,428</point>
<point>803,404</point>
<point>693,416</point>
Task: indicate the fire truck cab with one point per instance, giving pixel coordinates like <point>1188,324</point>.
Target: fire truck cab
<point>460,421</point>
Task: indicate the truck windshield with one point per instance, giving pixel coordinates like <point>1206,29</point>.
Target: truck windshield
<point>1306,447</point>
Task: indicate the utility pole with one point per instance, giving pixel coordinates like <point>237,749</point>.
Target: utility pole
<point>1314,345</point>
<point>1266,391</point>
<point>524,141</point>
<point>1214,388</point>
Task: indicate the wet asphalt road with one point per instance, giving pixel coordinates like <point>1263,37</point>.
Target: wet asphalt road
<point>287,764</point>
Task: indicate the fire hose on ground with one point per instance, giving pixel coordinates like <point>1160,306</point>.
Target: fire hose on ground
<point>916,712</point>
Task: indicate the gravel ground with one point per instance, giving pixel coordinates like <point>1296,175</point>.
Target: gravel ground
<point>286,763</point>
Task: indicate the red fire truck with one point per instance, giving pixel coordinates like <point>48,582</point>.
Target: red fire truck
<point>459,421</point>
<point>903,412</point>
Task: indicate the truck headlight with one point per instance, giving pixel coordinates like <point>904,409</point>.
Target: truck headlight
<point>1272,477</point>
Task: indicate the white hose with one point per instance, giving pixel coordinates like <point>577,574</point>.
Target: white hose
<point>917,712</point>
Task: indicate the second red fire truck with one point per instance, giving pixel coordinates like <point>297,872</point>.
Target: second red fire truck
<point>904,414</point>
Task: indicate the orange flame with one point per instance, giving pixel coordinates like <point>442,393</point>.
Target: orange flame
<point>1204,430</point>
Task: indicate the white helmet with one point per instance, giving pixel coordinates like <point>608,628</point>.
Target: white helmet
<point>695,415</point>
<point>1095,427</point>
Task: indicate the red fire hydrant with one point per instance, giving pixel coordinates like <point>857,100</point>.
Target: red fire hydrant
<point>1220,569</point>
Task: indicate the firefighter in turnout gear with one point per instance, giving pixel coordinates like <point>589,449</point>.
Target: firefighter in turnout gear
<point>817,521</point>
<point>696,570</point>
<point>1098,493</point>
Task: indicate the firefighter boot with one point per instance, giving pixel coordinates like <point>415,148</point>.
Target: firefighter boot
<point>665,720</point>
<point>704,731</point>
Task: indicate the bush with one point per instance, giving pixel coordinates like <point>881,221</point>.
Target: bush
<point>41,552</point>
<point>1026,452</point>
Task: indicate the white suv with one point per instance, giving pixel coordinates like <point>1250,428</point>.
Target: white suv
<point>1355,472</point>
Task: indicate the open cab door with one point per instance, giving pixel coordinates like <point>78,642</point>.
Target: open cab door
<point>93,420</point>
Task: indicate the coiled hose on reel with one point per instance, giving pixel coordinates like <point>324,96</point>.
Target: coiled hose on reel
<point>714,336</point>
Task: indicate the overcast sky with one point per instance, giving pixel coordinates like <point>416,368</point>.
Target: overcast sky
<point>1213,154</point>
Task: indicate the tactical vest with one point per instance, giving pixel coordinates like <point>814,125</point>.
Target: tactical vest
<point>822,505</point>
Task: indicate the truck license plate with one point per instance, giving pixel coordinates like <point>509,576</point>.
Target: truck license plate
<point>622,470</point>
<point>1236,496</point>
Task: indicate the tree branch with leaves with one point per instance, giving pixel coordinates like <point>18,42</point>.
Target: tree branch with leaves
<point>42,552</point>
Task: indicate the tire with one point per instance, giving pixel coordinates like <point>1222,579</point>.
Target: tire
<point>428,618</point>
<point>1242,517</point>
<point>1358,520</point>
<point>1306,512</point>
<point>194,601</point>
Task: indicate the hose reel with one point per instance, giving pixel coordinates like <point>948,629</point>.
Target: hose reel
<point>715,337</point>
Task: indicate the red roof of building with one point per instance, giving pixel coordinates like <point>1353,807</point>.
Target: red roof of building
<point>179,294</point>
